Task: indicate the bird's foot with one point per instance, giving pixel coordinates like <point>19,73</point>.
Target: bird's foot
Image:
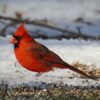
<point>39,74</point>
<point>16,64</point>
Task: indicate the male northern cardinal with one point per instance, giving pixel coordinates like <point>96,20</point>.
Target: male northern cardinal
<point>35,56</point>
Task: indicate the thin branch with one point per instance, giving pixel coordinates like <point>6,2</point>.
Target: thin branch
<point>71,34</point>
<point>3,31</point>
<point>37,23</point>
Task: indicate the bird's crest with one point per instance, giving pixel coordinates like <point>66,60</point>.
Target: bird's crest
<point>21,31</point>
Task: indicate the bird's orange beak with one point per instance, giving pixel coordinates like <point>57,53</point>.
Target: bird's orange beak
<point>13,40</point>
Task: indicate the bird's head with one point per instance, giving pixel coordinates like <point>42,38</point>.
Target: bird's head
<point>21,33</point>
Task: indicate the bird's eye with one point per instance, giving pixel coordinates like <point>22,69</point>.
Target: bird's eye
<point>17,37</point>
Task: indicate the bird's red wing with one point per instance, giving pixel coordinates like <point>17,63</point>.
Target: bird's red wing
<point>52,57</point>
<point>48,55</point>
<point>37,50</point>
<point>41,52</point>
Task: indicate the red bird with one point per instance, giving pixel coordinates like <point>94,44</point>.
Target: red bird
<point>35,56</point>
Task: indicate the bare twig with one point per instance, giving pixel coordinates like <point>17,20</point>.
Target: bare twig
<point>3,31</point>
<point>71,34</point>
<point>36,23</point>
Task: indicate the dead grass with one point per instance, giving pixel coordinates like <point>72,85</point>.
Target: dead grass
<point>52,92</point>
<point>85,68</point>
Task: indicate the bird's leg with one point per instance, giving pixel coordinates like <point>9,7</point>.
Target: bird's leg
<point>16,63</point>
<point>39,74</point>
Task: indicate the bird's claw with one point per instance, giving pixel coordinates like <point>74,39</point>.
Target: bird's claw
<point>39,74</point>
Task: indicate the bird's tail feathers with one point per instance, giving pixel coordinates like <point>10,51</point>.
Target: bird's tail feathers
<point>64,66</point>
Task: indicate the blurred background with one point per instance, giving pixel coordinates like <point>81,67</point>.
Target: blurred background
<point>66,10</point>
<point>67,14</point>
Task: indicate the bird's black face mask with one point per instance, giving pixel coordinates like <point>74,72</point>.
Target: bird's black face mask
<point>15,40</point>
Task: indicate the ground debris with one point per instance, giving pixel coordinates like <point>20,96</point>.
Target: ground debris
<point>52,92</point>
<point>85,68</point>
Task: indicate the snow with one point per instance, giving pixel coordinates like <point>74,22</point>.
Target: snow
<point>86,52</point>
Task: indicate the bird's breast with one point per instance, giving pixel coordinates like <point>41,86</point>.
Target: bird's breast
<point>26,59</point>
<point>30,61</point>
